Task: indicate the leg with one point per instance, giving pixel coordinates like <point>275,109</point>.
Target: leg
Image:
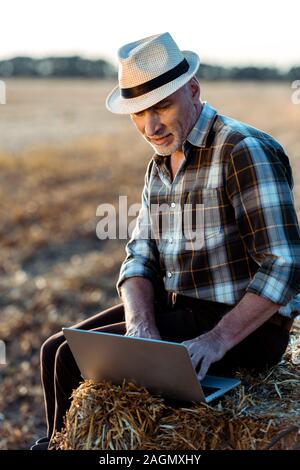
<point>262,349</point>
<point>181,323</point>
<point>47,359</point>
<point>49,349</point>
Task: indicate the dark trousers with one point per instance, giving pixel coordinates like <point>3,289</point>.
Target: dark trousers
<point>60,374</point>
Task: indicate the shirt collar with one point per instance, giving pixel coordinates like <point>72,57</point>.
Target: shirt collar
<point>198,135</point>
<point>200,131</point>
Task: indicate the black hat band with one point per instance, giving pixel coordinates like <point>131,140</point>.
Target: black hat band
<point>156,82</point>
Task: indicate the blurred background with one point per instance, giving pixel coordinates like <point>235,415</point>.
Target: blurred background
<point>62,154</point>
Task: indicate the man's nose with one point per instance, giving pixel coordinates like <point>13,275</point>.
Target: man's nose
<point>152,124</point>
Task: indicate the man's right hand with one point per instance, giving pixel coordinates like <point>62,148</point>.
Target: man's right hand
<point>143,331</point>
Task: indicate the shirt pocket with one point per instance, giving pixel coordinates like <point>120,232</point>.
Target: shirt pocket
<point>206,203</point>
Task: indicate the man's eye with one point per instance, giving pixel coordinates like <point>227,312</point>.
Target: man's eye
<point>163,106</point>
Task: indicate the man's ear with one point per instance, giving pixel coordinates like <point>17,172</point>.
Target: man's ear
<point>194,86</point>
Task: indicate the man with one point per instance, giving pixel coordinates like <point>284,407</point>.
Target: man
<point>230,292</point>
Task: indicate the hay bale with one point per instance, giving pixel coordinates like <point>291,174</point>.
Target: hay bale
<point>264,412</point>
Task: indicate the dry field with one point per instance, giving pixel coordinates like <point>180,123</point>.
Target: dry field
<point>61,155</point>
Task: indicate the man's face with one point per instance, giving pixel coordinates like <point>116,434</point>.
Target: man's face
<point>167,124</point>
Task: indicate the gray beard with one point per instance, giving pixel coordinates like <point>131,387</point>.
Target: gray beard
<point>172,149</point>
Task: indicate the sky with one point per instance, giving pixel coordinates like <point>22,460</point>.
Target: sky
<point>231,32</point>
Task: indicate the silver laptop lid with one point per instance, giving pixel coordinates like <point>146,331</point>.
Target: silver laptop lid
<point>164,368</point>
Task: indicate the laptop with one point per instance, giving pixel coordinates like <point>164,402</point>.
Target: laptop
<point>163,367</point>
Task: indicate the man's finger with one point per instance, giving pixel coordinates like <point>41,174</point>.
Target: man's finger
<point>190,348</point>
<point>196,361</point>
<point>186,343</point>
<point>205,363</point>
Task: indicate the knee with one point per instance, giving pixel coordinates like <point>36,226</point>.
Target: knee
<point>49,349</point>
<point>63,358</point>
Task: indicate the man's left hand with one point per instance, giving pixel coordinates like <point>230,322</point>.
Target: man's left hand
<point>207,348</point>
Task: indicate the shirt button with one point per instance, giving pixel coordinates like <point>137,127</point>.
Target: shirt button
<point>169,274</point>
<point>173,204</point>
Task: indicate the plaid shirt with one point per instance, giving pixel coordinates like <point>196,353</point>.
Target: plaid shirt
<point>239,182</point>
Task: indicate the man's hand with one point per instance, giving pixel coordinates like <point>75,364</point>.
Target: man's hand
<point>250,313</point>
<point>138,297</point>
<point>143,331</point>
<point>206,348</point>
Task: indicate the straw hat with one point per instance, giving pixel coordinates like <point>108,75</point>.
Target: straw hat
<point>150,70</point>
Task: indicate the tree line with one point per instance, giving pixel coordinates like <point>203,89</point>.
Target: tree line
<point>79,67</point>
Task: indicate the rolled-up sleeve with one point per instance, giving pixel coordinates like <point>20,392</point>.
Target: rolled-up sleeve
<point>142,256</point>
<point>259,185</point>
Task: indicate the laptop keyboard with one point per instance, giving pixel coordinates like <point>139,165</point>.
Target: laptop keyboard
<point>209,390</point>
